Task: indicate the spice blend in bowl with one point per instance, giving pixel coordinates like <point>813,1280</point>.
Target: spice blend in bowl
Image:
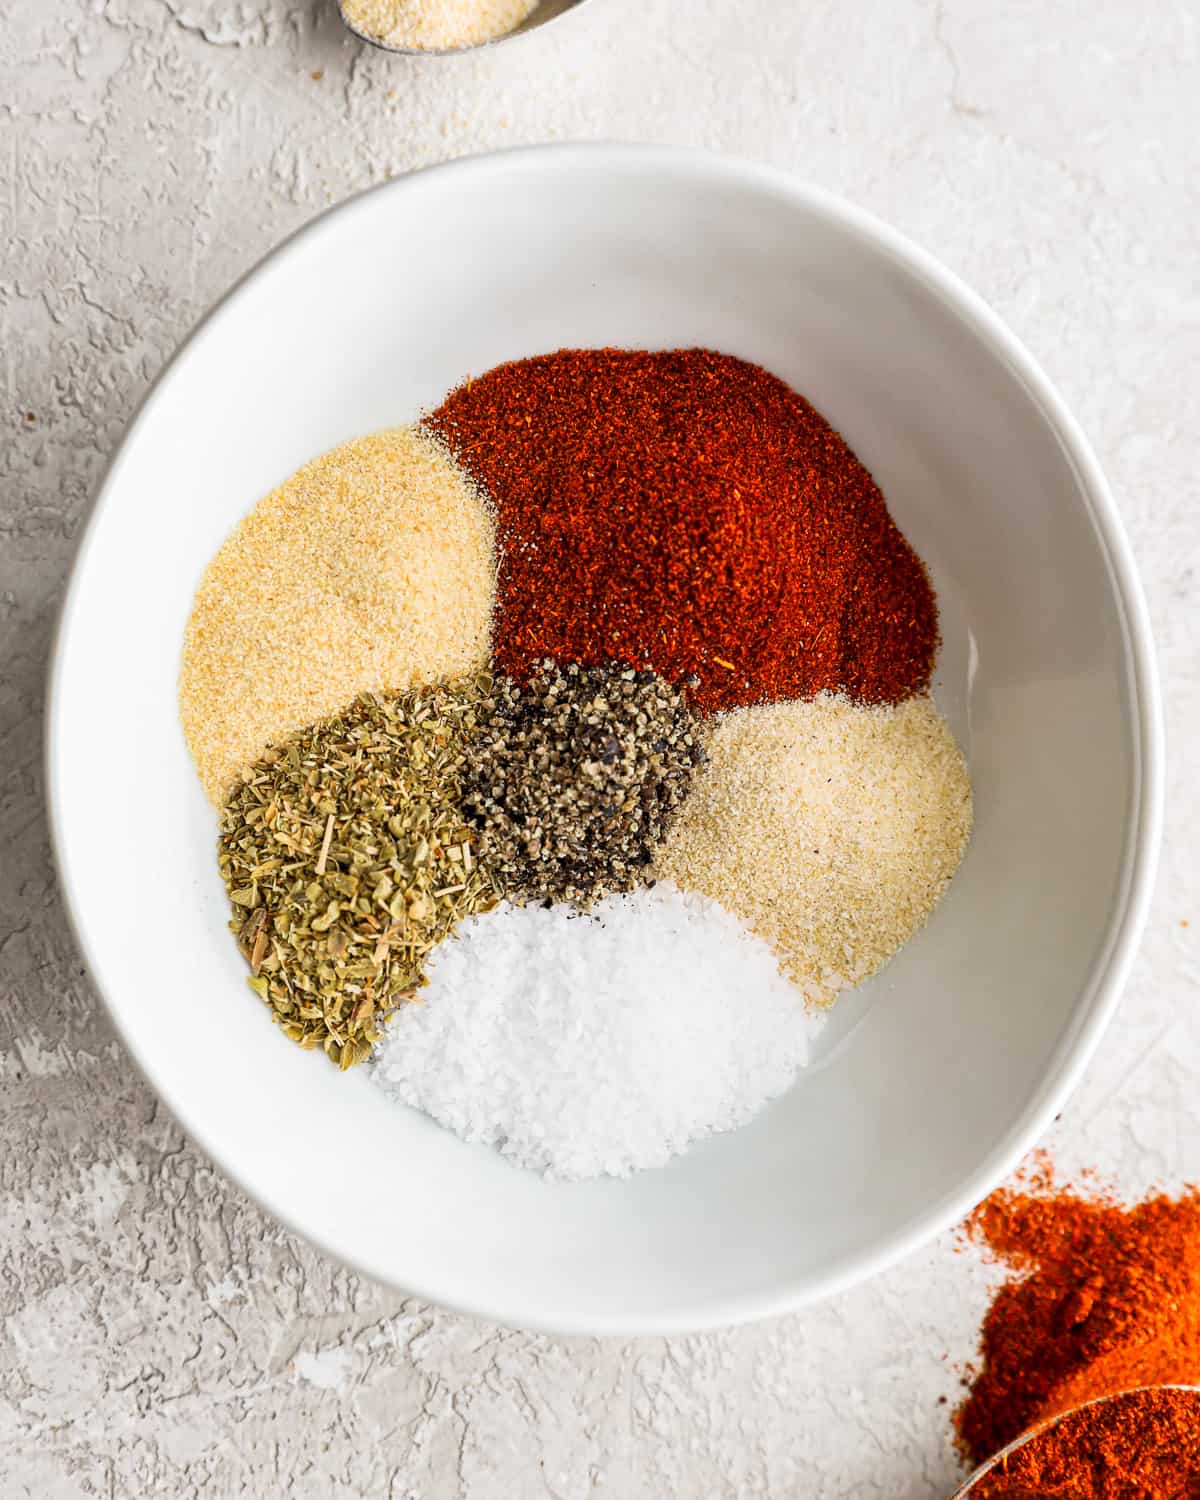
<point>711,650</point>
<point>1044,639</point>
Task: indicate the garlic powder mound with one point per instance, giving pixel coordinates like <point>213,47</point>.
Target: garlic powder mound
<point>372,568</point>
<point>830,828</point>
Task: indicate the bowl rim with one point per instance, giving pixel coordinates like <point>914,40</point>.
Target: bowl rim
<point>1143,820</point>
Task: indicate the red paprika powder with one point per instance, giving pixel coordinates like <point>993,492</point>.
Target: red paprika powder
<point>688,512</point>
<point>1107,1299</point>
<point>1143,1445</point>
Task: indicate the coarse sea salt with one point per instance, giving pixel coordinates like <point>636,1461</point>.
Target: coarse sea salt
<point>589,1044</point>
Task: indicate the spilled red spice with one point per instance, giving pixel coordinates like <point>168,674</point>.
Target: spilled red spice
<point>1107,1299</point>
<point>1144,1445</point>
<point>688,512</point>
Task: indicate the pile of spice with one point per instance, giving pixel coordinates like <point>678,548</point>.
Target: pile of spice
<point>593,1043</point>
<point>599,701</point>
<point>436,25</point>
<point>1105,1297</point>
<point>689,513</point>
<point>1143,1445</point>
<point>371,569</point>
<point>576,776</point>
<point>830,828</point>
<point>347,860</point>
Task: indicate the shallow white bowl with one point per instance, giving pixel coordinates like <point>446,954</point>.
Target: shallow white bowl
<point>935,1077</point>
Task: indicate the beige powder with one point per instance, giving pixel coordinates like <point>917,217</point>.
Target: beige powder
<point>831,829</point>
<point>435,24</point>
<point>372,568</point>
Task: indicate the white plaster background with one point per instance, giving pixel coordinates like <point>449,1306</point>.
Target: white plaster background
<point>161,1337</point>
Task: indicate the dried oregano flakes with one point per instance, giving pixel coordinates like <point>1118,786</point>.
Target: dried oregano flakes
<point>347,860</point>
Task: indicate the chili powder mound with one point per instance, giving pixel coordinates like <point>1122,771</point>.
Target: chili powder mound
<point>688,512</point>
<point>1144,1445</point>
<point>1107,1299</point>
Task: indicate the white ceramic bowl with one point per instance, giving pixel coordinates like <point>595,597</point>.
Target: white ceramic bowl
<point>936,1076</point>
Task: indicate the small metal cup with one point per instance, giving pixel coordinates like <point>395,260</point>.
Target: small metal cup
<point>546,12</point>
<point>1039,1428</point>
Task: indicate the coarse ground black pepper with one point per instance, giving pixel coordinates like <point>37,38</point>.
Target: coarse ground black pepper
<point>576,776</point>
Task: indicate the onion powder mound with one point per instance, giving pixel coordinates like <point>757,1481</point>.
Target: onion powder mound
<point>589,1044</point>
<point>830,828</point>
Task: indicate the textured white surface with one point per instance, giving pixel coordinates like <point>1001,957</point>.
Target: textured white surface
<point>160,1336</point>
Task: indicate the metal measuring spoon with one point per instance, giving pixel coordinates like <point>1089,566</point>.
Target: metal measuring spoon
<point>1038,1430</point>
<point>547,11</point>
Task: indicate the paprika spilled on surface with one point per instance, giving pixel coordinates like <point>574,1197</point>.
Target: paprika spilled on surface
<point>1107,1299</point>
<point>1143,1445</point>
<point>688,512</point>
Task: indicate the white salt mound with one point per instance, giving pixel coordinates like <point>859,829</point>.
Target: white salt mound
<point>585,1045</point>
